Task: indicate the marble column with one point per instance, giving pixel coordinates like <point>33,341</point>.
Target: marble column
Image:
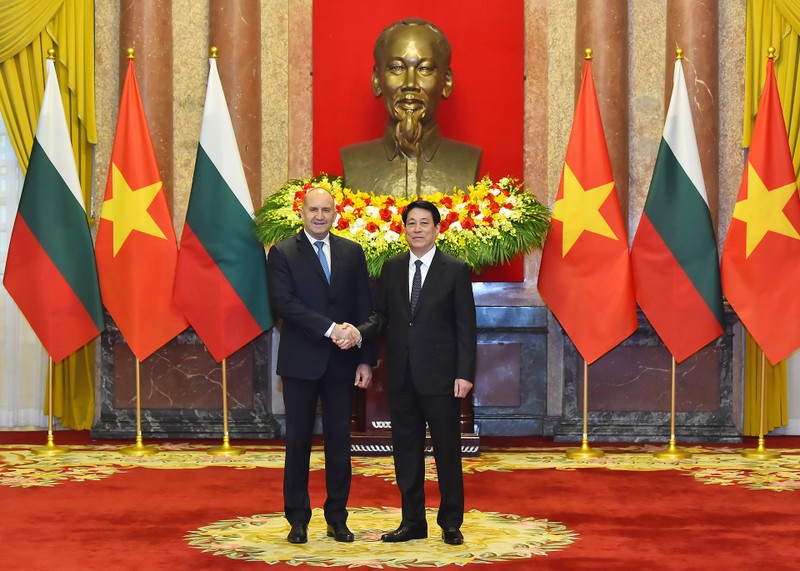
<point>145,26</point>
<point>602,25</point>
<point>692,26</point>
<point>235,29</point>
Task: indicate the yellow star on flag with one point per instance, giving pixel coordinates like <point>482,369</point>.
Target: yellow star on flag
<point>579,210</point>
<point>127,210</point>
<point>762,210</point>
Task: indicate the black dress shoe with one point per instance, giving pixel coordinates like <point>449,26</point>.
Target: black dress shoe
<point>339,532</point>
<point>405,533</point>
<point>452,536</point>
<point>298,534</point>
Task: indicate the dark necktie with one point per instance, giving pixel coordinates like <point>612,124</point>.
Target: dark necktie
<point>416,285</point>
<point>322,260</point>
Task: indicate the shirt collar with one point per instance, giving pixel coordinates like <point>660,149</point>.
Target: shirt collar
<point>326,239</point>
<point>428,146</point>
<point>426,258</point>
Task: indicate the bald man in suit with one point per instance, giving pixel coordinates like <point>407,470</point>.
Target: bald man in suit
<point>317,282</point>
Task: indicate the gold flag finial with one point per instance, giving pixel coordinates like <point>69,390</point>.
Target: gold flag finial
<point>212,52</point>
<point>678,53</point>
<point>587,53</point>
<point>51,53</point>
<point>771,52</point>
<point>130,53</point>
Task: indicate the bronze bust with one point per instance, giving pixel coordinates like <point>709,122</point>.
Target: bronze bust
<point>412,73</point>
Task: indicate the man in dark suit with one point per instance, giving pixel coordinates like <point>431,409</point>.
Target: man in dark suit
<point>427,306</point>
<point>317,282</point>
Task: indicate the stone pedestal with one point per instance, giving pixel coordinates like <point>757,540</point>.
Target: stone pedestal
<point>181,390</point>
<point>630,392</point>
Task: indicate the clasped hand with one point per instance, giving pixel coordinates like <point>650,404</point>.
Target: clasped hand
<point>345,335</point>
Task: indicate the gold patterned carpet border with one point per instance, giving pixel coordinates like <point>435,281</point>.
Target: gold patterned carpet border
<point>21,467</point>
<point>493,537</point>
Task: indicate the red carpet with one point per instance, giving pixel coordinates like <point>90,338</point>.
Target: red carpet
<point>624,511</point>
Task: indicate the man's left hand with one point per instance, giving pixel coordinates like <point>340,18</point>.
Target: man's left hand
<point>462,388</point>
<point>363,376</point>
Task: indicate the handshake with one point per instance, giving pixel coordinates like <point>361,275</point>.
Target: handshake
<point>345,335</point>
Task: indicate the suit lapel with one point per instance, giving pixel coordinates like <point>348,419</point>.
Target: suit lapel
<point>310,253</point>
<point>402,278</point>
<point>434,273</point>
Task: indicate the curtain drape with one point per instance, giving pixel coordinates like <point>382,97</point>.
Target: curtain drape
<point>770,23</point>
<point>28,28</point>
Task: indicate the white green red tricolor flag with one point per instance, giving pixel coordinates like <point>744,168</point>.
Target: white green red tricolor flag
<point>221,285</point>
<point>136,249</point>
<point>585,276</point>
<point>50,271</point>
<point>674,255</point>
<point>761,256</point>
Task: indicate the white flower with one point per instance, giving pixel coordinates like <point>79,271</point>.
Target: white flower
<point>372,211</point>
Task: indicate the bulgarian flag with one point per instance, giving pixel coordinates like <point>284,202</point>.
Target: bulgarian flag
<point>585,276</point>
<point>761,256</point>
<point>50,271</point>
<point>674,254</point>
<point>136,248</point>
<point>221,284</point>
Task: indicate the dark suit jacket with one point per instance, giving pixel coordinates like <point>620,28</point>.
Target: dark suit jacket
<point>439,340</point>
<point>301,296</point>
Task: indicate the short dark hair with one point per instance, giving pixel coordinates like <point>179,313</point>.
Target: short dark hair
<point>425,205</point>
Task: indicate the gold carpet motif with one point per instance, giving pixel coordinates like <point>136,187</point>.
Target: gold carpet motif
<point>492,537</point>
<point>20,467</point>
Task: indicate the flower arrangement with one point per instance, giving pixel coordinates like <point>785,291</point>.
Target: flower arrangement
<point>486,224</point>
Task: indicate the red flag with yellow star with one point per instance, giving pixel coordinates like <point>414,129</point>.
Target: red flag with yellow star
<point>136,249</point>
<point>585,277</point>
<point>760,269</point>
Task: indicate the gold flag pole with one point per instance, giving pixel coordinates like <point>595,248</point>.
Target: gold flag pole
<point>225,449</point>
<point>51,448</point>
<point>585,451</point>
<point>672,452</point>
<point>761,453</point>
<point>138,449</point>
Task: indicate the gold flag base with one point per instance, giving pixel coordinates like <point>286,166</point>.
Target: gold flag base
<point>585,452</point>
<point>672,452</point>
<point>225,449</point>
<point>760,452</point>
<point>138,449</point>
<point>50,449</point>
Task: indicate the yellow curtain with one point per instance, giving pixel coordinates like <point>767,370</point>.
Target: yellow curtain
<point>774,23</point>
<point>28,28</point>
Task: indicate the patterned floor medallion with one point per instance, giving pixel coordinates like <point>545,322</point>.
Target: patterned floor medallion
<point>489,537</point>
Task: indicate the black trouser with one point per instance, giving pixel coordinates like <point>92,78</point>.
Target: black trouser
<point>300,400</point>
<point>410,410</point>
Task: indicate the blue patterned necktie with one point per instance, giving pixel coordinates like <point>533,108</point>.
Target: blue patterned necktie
<point>322,260</point>
<point>416,285</point>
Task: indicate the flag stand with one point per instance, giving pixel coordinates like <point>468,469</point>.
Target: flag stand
<point>225,449</point>
<point>51,448</point>
<point>138,449</point>
<point>672,452</point>
<point>585,451</point>
<point>761,453</point>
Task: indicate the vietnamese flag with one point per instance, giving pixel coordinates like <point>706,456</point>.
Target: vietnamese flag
<point>760,269</point>
<point>50,271</point>
<point>221,284</point>
<point>585,275</point>
<point>674,254</point>
<point>136,249</point>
